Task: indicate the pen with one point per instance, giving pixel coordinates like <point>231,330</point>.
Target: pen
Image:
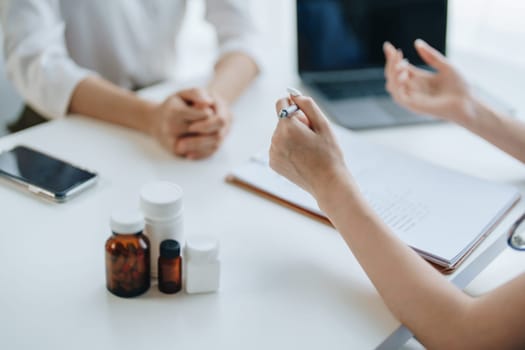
<point>286,112</point>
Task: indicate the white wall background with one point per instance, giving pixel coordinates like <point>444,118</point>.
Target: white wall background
<point>491,28</point>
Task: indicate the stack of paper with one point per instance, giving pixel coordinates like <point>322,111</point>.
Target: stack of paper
<point>442,214</point>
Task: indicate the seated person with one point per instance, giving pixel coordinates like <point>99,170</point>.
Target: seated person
<point>84,57</point>
<point>441,316</point>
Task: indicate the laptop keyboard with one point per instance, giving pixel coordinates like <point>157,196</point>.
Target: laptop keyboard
<point>353,89</point>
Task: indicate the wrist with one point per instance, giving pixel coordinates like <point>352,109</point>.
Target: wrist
<point>484,120</point>
<point>336,187</point>
<point>145,113</point>
<point>217,94</point>
<point>468,108</point>
<point>223,88</point>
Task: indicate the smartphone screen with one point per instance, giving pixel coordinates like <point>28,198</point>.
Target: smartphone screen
<point>28,166</point>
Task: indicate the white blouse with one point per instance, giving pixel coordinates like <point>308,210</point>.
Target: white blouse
<point>51,45</point>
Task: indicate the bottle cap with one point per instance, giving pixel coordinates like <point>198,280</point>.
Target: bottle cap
<point>170,248</point>
<point>127,221</point>
<point>202,248</point>
<point>161,200</point>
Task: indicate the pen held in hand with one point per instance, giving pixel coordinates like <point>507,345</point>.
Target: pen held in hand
<point>286,112</point>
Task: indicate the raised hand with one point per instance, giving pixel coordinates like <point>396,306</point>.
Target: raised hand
<point>443,93</point>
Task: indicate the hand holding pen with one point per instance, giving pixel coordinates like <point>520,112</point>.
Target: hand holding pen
<point>291,109</point>
<point>304,148</point>
<point>288,108</point>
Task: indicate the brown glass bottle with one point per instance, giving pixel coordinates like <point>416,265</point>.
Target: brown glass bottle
<point>170,267</point>
<point>127,257</point>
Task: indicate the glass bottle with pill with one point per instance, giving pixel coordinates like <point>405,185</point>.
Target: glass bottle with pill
<point>127,255</point>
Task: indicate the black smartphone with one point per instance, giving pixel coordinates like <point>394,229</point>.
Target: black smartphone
<point>43,174</point>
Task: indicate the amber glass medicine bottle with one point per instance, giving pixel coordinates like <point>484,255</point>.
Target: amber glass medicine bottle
<point>170,267</point>
<point>127,255</point>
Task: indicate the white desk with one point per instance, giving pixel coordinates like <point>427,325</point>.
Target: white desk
<point>288,282</point>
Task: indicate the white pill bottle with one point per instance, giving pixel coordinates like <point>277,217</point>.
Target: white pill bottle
<point>161,204</point>
<point>202,265</point>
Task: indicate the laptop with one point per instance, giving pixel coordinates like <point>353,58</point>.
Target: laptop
<point>341,60</point>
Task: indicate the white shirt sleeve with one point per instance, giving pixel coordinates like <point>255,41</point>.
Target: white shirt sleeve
<point>235,27</point>
<point>36,57</point>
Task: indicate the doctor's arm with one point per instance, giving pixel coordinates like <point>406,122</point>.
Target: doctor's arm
<point>445,94</point>
<point>439,314</point>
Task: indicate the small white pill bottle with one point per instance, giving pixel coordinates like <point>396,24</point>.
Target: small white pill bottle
<point>202,265</point>
<point>161,204</point>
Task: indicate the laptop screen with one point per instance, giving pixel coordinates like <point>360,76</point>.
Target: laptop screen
<point>336,35</point>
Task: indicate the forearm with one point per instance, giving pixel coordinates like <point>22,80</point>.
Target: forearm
<point>505,133</point>
<point>100,99</point>
<point>438,313</point>
<point>416,293</point>
<point>233,73</point>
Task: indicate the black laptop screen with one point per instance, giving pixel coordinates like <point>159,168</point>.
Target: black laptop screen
<point>349,34</point>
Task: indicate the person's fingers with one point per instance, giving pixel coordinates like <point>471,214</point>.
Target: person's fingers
<point>392,58</point>
<point>395,61</point>
<point>392,85</point>
<point>202,153</point>
<point>197,144</point>
<point>394,90</point>
<point>404,98</point>
<point>181,112</point>
<point>168,142</point>
<point>401,65</point>
<point>173,125</point>
<point>431,56</point>
<point>387,50</point>
<point>400,55</point>
<point>398,79</point>
<point>419,73</point>
<point>285,102</point>
<point>416,79</point>
<point>409,75</point>
<point>314,114</point>
<point>418,84</point>
<point>300,116</point>
<point>301,122</point>
<point>292,130</point>
<point>199,98</point>
<point>415,101</point>
<point>403,77</point>
<point>207,126</point>
<point>401,86</point>
<point>222,109</point>
<point>190,114</point>
<point>281,104</point>
<point>398,61</point>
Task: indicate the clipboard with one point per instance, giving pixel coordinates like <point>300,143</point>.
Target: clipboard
<point>445,235</point>
<point>446,270</point>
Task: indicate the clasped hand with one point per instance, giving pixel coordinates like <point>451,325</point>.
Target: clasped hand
<point>191,123</point>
